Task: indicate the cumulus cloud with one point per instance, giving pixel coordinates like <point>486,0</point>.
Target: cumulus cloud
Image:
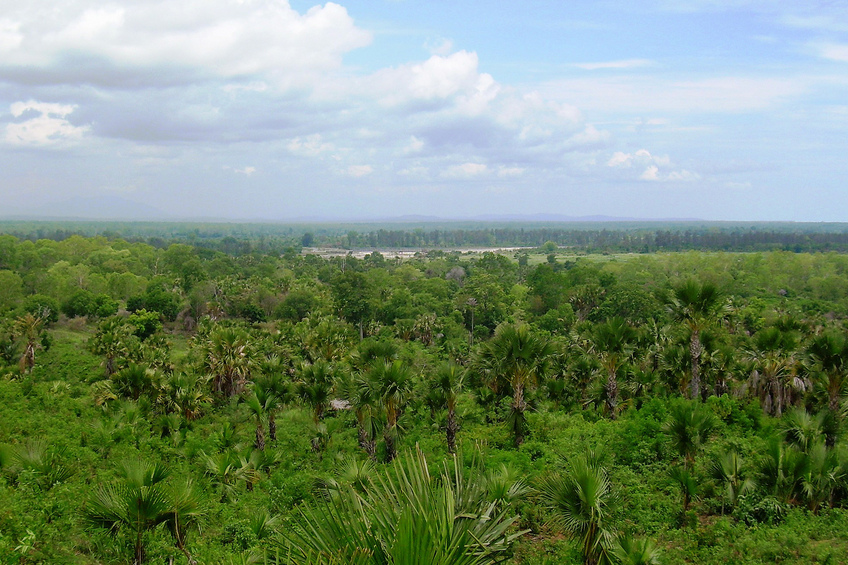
<point>247,171</point>
<point>653,166</point>
<point>220,37</point>
<point>42,123</point>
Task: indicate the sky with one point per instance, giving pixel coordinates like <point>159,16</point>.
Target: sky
<point>275,110</point>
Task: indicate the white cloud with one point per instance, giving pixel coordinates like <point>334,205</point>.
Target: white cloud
<point>653,166</point>
<point>310,146</point>
<point>226,38</point>
<point>440,46</point>
<point>466,170</point>
<point>247,171</point>
<point>651,173</point>
<point>623,64</point>
<point>46,126</point>
<point>833,51</point>
<point>436,79</point>
<point>359,170</point>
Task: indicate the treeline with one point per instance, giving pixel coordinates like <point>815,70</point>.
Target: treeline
<point>603,240</point>
<point>600,237</point>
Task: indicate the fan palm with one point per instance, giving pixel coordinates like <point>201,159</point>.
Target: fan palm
<point>408,517</point>
<point>582,500</point>
<point>392,383</point>
<point>28,328</point>
<point>689,426</point>
<point>772,355</point>
<point>613,342</point>
<point>140,501</point>
<point>629,550</point>
<point>448,384</point>
<point>727,468</point>
<point>696,305</point>
<point>519,358</point>
<point>828,358</point>
<point>229,359</point>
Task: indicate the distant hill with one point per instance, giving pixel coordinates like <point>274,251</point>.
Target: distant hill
<point>108,207</point>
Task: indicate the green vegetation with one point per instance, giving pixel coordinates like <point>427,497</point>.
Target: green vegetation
<point>234,403</point>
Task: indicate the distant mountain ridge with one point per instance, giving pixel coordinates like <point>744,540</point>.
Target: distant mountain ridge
<point>108,207</point>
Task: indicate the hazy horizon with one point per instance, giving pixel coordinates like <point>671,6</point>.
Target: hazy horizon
<point>267,110</point>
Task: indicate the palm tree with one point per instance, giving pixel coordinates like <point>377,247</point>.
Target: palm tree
<point>727,468</point>
<point>689,426</point>
<point>139,502</point>
<point>685,481</point>
<point>448,384</point>
<point>629,550</point>
<point>828,358</point>
<point>696,305</point>
<point>408,516</point>
<point>363,397</point>
<point>774,377</point>
<point>315,387</point>
<point>229,359</point>
<point>781,470</point>
<point>582,500</point>
<point>28,327</point>
<point>519,358</point>
<point>613,343</point>
<point>113,339</point>
<point>272,384</point>
<point>261,403</point>
<point>392,384</point>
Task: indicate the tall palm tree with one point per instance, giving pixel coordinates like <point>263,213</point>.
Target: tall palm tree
<point>449,381</point>
<point>411,516</point>
<point>518,358</point>
<point>363,396</point>
<point>774,378</point>
<point>229,359</point>
<point>392,384</point>
<point>828,359</point>
<point>272,384</point>
<point>613,342</point>
<point>261,403</point>
<point>582,500</point>
<point>696,305</point>
<point>113,339</point>
<point>28,328</point>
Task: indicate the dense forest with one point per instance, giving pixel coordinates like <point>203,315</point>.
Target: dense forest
<point>586,237</point>
<point>233,400</point>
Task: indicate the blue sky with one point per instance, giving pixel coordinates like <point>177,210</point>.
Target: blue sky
<point>263,109</point>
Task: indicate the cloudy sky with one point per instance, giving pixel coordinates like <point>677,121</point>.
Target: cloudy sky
<point>267,109</point>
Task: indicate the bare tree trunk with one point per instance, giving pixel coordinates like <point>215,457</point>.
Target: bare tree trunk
<point>612,395</point>
<point>450,432</point>
<point>272,426</point>
<point>259,443</point>
<point>695,354</point>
